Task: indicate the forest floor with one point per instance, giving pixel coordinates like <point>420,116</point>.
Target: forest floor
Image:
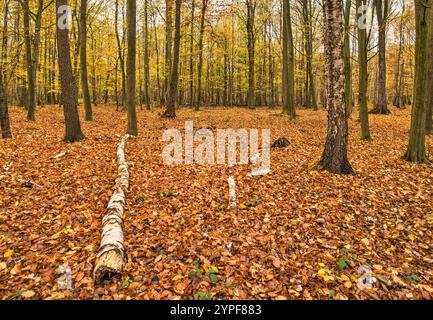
<point>297,234</point>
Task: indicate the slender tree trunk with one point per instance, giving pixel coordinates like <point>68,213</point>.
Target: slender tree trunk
<point>334,158</point>
<point>168,45</point>
<point>146,55</point>
<point>31,82</point>
<point>381,103</point>
<point>4,112</point>
<point>83,62</point>
<point>347,63</point>
<point>251,42</point>
<point>131,20</point>
<point>288,64</point>
<point>423,20</point>
<point>363,76</point>
<point>200,56</point>
<point>72,121</point>
<point>172,92</point>
<point>119,52</point>
<point>191,56</point>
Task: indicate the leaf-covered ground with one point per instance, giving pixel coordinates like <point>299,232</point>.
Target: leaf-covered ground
<point>298,233</point>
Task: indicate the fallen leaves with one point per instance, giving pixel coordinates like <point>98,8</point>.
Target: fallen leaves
<point>298,234</point>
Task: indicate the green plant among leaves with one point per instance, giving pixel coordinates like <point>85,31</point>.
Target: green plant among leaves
<point>125,283</point>
<point>343,263</point>
<point>252,202</point>
<point>413,278</point>
<point>197,270</point>
<point>200,295</point>
<point>166,193</point>
<point>212,273</point>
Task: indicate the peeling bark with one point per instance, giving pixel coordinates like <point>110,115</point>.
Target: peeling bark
<point>110,256</point>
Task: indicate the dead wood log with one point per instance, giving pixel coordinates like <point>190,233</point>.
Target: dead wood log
<point>111,253</point>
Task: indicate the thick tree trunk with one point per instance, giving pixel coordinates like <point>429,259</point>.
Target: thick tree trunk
<point>191,56</point>
<point>83,62</point>
<point>429,115</point>
<point>363,76</point>
<point>288,64</point>
<point>168,45</point>
<point>334,158</point>
<point>72,121</point>
<point>423,20</point>
<point>131,19</point>
<point>111,253</point>
<point>174,77</point>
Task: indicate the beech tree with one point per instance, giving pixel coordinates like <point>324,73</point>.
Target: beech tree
<point>288,89</point>
<point>423,20</point>
<point>131,19</point>
<point>83,61</point>
<point>72,120</point>
<point>4,111</point>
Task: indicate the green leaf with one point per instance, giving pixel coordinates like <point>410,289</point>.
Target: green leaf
<point>213,277</point>
<point>200,295</point>
<point>125,283</point>
<point>343,263</point>
<point>252,202</point>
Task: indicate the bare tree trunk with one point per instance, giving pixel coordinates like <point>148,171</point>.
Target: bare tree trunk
<point>131,20</point>
<point>72,121</point>
<point>381,103</point>
<point>172,92</point>
<point>423,19</point>
<point>146,55</point>
<point>200,56</point>
<point>119,52</point>
<point>334,158</point>
<point>250,26</point>
<point>347,63</point>
<point>83,62</point>
<point>4,112</point>
<point>31,81</point>
<point>288,64</point>
<point>363,76</point>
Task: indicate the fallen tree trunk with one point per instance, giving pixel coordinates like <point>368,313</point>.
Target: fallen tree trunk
<point>110,256</point>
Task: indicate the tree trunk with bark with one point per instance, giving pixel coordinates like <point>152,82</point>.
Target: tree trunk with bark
<point>334,157</point>
<point>72,121</point>
<point>363,76</point>
<point>131,19</point>
<point>174,76</point>
<point>417,137</point>
<point>288,88</point>
<point>83,62</point>
<point>381,102</point>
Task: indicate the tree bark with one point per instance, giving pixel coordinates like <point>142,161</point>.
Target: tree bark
<point>347,63</point>
<point>131,19</point>
<point>363,76</point>
<point>174,76</point>
<point>146,56</point>
<point>334,158</point>
<point>251,42</point>
<point>423,20</point>
<point>83,62</point>
<point>4,112</point>
<point>72,121</point>
<point>288,64</point>
<point>111,253</point>
<point>200,56</point>
<point>31,81</point>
